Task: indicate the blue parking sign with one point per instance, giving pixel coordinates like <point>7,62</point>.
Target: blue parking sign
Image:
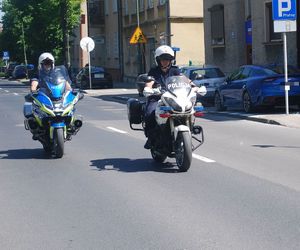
<point>284,9</point>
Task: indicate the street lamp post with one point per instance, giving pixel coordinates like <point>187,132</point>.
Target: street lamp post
<point>24,45</point>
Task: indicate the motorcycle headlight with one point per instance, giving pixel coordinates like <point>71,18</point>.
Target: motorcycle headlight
<point>193,99</point>
<point>172,103</point>
<point>189,105</point>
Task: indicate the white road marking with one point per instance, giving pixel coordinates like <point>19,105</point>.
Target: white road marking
<point>113,109</point>
<point>117,130</point>
<point>202,158</point>
<point>16,94</point>
<point>6,91</point>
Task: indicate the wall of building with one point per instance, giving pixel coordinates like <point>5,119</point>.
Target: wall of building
<point>187,31</point>
<point>186,8</point>
<point>189,38</point>
<point>78,57</point>
<point>265,52</point>
<point>233,53</point>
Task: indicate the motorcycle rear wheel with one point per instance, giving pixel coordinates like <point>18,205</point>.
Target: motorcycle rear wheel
<point>160,158</point>
<point>183,150</point>
<point>58,142</point>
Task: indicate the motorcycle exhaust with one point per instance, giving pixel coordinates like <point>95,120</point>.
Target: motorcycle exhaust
<point>78,123</point>
<point>197,130</point>
<point>32,124</point>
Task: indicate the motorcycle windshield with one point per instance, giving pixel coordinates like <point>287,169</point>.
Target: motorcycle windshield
<point>54,82</point>
<point>178,85</point>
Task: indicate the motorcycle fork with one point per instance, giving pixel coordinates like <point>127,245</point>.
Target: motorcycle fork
<point>57,125</point>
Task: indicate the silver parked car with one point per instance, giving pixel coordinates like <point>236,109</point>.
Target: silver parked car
<point>208,75</point>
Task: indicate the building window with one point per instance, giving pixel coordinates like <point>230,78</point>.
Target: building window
<point>115,6</point>
<point>161,2</point>
<point>271,36</point>
<point>96,12</point>
<point>141,5</point>
<point>217,25</point>
<point>150,4</point>
<point>126,7</point>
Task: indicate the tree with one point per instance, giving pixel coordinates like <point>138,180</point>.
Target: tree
<point>46,25</point>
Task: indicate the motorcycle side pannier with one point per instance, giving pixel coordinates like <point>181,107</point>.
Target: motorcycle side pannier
<point>135,111</point>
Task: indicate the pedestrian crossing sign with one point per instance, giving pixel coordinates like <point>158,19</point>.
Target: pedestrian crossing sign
<point>138,37</point>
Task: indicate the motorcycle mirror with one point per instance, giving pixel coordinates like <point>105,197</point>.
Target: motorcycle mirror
<point>28,98</point>
<point>146,78</point>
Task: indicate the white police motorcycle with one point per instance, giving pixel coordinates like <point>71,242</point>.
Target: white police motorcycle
<point>176,135</point>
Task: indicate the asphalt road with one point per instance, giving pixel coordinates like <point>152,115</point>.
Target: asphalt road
<point>241,192</point>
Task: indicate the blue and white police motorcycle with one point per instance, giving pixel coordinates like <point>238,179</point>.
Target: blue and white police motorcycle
<point>50,112</point>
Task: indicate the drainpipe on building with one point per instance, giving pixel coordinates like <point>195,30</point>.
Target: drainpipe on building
<point>298,35</point>
<point>168,25</point>
<point>120,37</point>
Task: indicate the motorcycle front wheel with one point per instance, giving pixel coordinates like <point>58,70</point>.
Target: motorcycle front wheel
<point>58,142</point>
<point>183,151</point>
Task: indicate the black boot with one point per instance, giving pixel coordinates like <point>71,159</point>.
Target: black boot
<point>148,144</point>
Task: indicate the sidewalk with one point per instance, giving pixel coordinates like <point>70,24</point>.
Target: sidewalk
<point>124,91</point>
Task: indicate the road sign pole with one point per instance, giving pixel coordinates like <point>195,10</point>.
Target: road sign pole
<point>286,84</point>
<point>285,20</point>
<point>89,58</point>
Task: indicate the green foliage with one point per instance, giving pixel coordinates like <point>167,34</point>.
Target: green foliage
<point>45,24</point>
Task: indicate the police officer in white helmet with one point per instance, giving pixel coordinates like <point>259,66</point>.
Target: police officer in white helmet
<point>46,63</point>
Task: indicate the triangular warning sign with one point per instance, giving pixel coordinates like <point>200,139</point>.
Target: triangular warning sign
<point>138,37</point>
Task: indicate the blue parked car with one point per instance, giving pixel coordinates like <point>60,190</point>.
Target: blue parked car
<point>253,86</point>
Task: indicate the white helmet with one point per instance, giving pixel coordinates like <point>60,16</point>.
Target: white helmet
<point>46,57</point>
<point>164,52</point>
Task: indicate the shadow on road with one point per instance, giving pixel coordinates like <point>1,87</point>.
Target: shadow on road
<point>130,165</point>
<point>272,146</point>
<point>23,154</point>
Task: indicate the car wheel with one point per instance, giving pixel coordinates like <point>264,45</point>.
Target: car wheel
<point>218,102</point>
<point>247,104</point>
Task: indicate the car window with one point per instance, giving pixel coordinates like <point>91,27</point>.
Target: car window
<point>245,73</point>
<point>261,72</point>
<point>207,73</point>
<point>236,74</point>
<point>97,69</point>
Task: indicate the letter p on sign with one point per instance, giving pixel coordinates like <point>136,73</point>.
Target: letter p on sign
<point>284,6</point>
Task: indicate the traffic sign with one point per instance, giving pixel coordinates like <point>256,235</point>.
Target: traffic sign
<point>5,55</point>
<point>138,37</point>
<point>87,44</point>
<point>284,9</point>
